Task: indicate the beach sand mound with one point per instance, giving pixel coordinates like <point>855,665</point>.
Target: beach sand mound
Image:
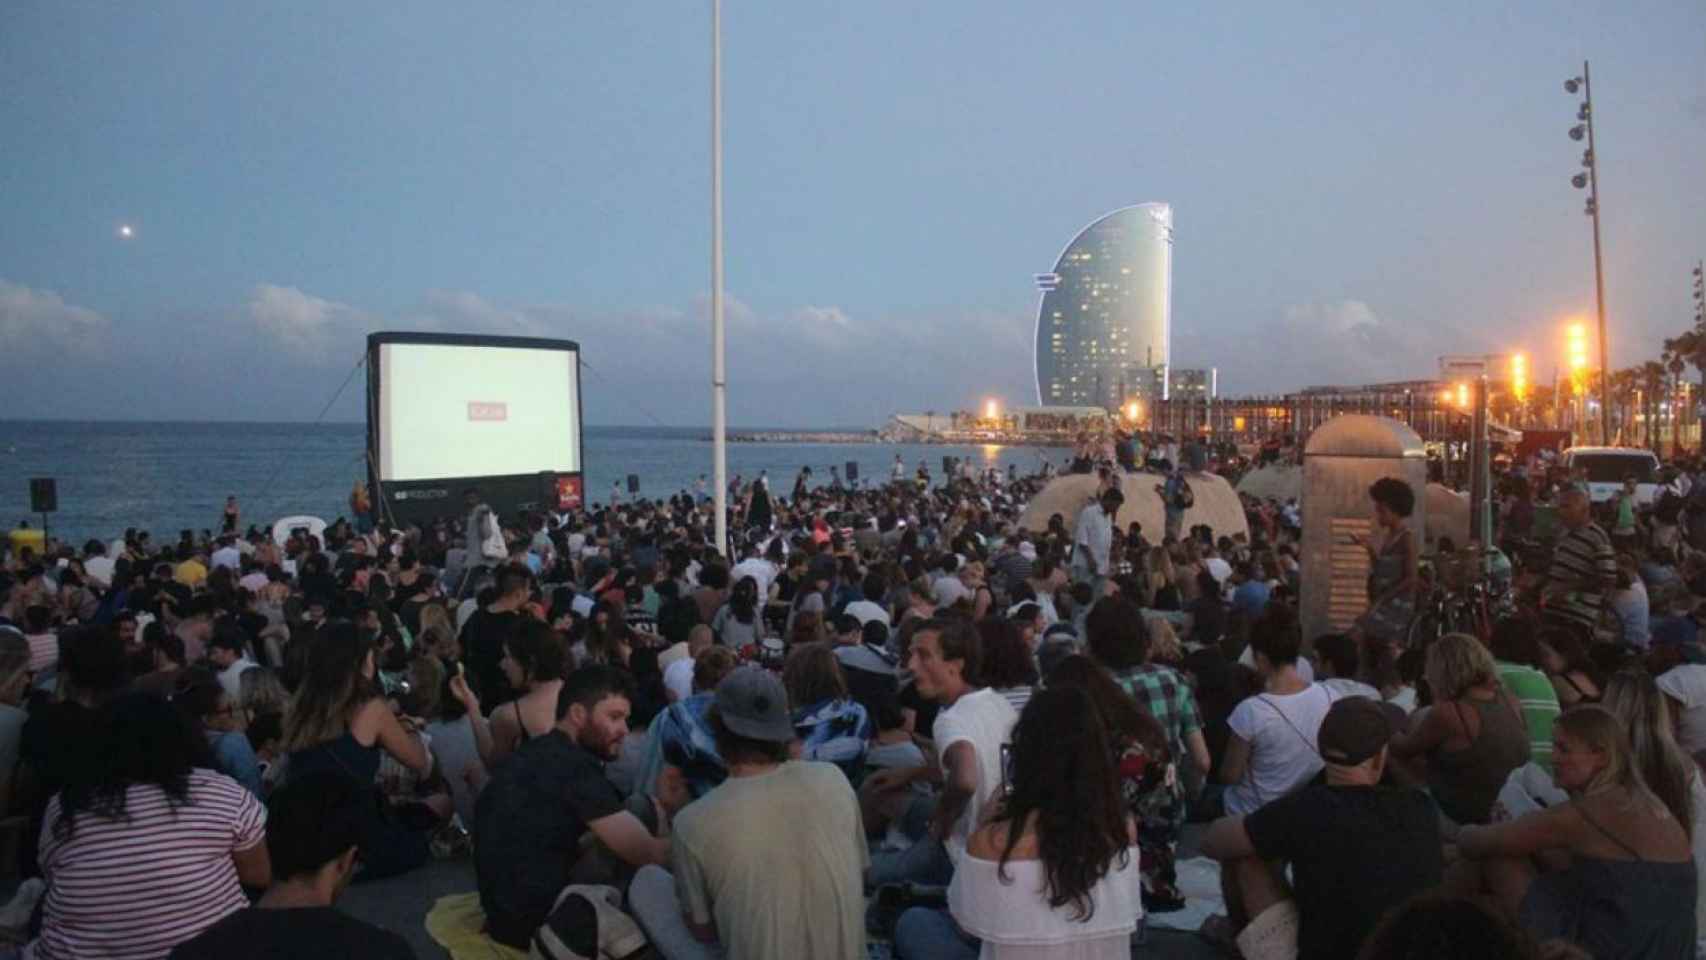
<point>1448,514</point>
<point>1278,481</point>
<point>1216,503</point>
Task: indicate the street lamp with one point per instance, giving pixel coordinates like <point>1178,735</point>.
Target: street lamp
<point>1590,181</point>
<point>1700,294</point>
<point>1519,384</point>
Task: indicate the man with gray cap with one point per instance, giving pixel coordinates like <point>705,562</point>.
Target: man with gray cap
<point>1356,849</point>
<point>769,864</point>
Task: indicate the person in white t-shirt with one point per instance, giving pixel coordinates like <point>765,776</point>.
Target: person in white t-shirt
<point>1272,750</point>
<point>1684,686</point>
<point>870,605</point>
<point>1216,565</point>
<point>761,570</point>
<point>97,565</point>
<point>678,675</point>
<point>227,555</point>
<point>969,733</point>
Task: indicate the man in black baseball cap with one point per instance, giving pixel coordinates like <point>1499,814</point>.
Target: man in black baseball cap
<point>1355,848</point>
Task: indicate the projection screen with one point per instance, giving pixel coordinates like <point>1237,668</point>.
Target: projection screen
<point>474,407</point>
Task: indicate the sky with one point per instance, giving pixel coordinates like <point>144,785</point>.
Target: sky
<point>1357,189</point>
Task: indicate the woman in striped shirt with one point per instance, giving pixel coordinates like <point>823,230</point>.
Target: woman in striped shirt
<point>152,850</point>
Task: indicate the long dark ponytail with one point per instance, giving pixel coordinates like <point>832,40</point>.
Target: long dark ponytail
<point>1063,774</point>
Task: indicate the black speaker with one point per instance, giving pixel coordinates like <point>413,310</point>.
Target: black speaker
<point>44,496</point>
<point>852,470</point>
<point>948,465</point>
<point>633,483</point>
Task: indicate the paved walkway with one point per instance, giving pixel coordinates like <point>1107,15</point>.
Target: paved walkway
<point>401,903</point>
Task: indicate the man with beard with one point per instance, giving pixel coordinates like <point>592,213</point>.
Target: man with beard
<point>533,813</point>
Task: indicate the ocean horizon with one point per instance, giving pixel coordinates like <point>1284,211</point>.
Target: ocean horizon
<point>170,475</point>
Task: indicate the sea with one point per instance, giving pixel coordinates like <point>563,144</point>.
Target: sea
<point>166,477</point>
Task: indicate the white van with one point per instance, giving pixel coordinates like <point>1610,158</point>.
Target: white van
<point>1607,466</point>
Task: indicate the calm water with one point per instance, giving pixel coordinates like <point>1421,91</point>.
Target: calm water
<point>165,477</point>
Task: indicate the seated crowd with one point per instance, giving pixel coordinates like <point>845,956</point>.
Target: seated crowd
<point>895,714</point>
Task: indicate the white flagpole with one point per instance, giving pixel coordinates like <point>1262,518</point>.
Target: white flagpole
<point>719,385</point>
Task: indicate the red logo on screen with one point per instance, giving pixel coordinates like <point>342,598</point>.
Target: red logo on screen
<point>488,412</point>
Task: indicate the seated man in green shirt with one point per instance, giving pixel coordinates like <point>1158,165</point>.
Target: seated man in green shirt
<point>1516,653</point>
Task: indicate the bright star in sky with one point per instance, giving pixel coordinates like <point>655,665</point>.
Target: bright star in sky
<point>126,231</point>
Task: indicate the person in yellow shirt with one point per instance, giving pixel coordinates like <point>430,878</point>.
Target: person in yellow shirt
<point>190,571</point>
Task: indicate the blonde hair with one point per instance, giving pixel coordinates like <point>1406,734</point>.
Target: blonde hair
<point>1161,573</point>
<point>435,615</point>
<point>260,692</point>
<point>1633,697</point>
<point>1163,641</point>
<point>1602,732</point>
<point>1457,662</point>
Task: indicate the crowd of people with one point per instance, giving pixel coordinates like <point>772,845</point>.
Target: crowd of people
<point>886,712</point>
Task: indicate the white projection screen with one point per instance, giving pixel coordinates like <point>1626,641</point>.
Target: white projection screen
<point>480,408</point>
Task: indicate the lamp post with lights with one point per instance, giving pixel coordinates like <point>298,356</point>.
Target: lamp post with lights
<point>1590,181</point>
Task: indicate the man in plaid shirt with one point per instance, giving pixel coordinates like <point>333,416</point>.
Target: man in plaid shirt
<point>1119,639</point>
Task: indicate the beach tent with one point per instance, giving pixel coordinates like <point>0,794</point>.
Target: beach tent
<point>281,530</point>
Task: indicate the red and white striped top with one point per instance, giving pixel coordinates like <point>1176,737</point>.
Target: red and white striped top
<point>136,888</point>
<point>44,650</point>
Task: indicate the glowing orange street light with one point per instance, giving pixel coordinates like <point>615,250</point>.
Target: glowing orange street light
<point>1133,410</point>
<point>991,409</point>
<point>1519,376</point>
<point>1463,395</point>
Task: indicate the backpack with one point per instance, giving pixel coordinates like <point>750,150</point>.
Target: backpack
<point>587,923</point>
<point>1184,498</point>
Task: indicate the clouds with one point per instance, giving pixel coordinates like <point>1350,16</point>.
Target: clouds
<point>38,323</point>
<point>1326,342</point>
<point>305,326</point>
<point>807,365</point>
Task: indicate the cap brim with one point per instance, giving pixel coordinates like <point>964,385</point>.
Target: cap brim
<point>778,730</point>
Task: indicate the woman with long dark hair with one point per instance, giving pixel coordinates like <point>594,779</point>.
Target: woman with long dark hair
<point>532,663</point>
<point>152,848</point>
<point>1149,782</point>
<point>738,623</point>
<point>832,726</point>
<point>339,721</point>
<point>1055,872</point>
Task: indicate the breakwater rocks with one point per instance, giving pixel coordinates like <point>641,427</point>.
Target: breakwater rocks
<point>801,436</point>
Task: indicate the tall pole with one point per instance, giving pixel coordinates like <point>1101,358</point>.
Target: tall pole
<point>1598,270</point>
<point>719,383</point>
